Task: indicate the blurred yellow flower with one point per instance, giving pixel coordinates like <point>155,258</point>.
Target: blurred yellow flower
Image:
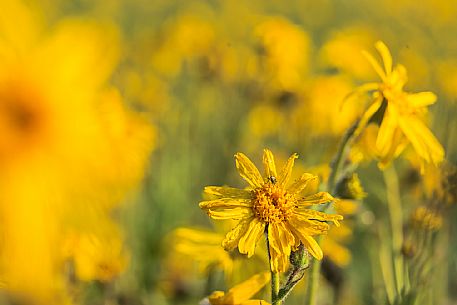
<point>272,208</point>
<point>401,113</point>
<point>285,53</point>
<point>426,219</point>
<point>70,151</point>
<point>241,293</point>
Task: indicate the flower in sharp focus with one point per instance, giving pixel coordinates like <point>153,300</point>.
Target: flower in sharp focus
<point>241,293</point>
<point>402,113</point>
<point>271,207</point>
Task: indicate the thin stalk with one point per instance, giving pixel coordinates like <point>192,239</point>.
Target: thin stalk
<point>313,282</point>
<point>274,276</point>
<point>396,222</point>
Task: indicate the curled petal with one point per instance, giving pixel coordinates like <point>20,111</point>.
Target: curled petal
<point>281,241</point>
<point>422,139</point>
<point>367,115</point>
<point>232,238</point>
<point>286,171</point>
<point>248,171</point>
<point>385,55</point>
<point>308,241</point>
<point>248,241</point>
<point>375,64</point>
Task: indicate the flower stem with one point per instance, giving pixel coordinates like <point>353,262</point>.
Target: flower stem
<point>275,300</point>
<point>335,170</point>
<point>313,282</point>
<point>396,222</point>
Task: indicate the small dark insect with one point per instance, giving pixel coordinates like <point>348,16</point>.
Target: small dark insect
<point>272,179</point>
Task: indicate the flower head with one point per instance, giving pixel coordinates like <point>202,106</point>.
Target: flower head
<point>270,206</point>
<point>401,112</point>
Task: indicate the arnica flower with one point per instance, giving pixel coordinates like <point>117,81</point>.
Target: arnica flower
<point>241,293</point>
<point>271,207</point>
<point>402,113</point>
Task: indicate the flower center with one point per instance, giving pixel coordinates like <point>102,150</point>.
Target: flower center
<point>272,204</point>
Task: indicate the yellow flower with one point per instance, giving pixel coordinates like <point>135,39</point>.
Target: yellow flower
<point>241,293</point>
<point>272,208</point>
<point>427,219</point>
<point>401,113</point>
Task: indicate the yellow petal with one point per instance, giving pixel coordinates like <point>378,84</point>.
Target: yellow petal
<point>233,237</point>
<point>371,110</point>
<point>233,213</point>
<point>310,244</point>
<point>422,139</point>
<point>387,130</point>
<point>308,226</point>
<point>245,290</point>
<point>281,241</point>
<point>374,63</point>
<point>301,183</point>
<point>269,164</point>
<point>385,55</point>
<point>227,192</point>
<point>255,302</point>
<point>319,216</point>
<point>318,198</point>
<point>225,203</point>
<point>248,171</point>
<point>421,99</point>
<point>286,171</point>
<point>249,240</point>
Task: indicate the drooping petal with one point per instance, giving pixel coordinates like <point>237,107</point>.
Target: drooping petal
<point>318,198</point>
<point>248,171</point>
<point>225,203</point>
<point>310,244</point>
<point>422,139</point>
<point>232,238</point>
<point>281,241</point>
<point>301,183</point>
<point>399,143</point>
<point>227,192</point>
<point>286,171</point>
<point>269,164</point>
<point>233,213</point>
<point>385,55</point>
<point>248,241</point>
<point>421,99</point>
<point>242,292</point>
<point>387,130</point>
<point>371,110</point>
<point>308,226</point>
<point>375,64</point>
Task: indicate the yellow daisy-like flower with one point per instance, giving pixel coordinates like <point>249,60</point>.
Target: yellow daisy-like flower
<point>401,122</point>
<point>271,207</point>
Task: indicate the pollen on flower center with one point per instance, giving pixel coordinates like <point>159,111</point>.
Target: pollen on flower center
<point>272,204</point>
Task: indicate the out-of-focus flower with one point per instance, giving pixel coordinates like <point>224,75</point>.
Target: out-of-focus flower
<point>269,206</point>
<point>426,219</point>
<point>284,53</point>
<point>401,112</point>
<point>70,151</point>
<point>241,294</point>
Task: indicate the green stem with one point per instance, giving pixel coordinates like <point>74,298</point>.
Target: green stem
<point>274,276</point>
<point>396,222</point>
<point>313,282</point>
